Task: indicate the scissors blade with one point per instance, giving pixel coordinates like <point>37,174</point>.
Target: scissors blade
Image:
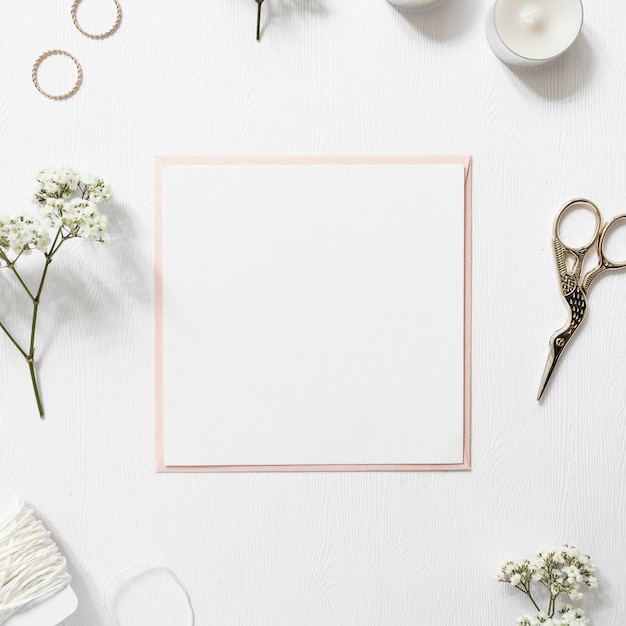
<point>547,373</point>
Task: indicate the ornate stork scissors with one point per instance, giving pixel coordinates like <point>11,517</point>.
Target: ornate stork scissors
<point>574,284</point>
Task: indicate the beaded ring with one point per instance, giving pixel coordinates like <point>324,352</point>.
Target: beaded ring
<point>79,77</point>
<point>109,32</point>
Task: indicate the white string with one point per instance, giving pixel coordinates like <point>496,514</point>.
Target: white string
<point>111,615</point>
<point>30,564</point>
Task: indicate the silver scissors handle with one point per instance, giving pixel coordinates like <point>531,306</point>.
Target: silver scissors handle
<point>604,263</point>
<point>571,278</point>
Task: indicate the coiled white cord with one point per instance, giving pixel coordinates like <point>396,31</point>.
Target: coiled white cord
<point>140,568</point>
<point>30,564</point>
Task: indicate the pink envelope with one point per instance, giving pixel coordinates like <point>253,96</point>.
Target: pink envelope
<point>225,203</point>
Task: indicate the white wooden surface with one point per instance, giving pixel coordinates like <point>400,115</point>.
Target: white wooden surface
<point>329,77</point>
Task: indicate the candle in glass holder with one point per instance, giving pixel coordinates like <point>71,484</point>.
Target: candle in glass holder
<point>527,33</point>
<point>414,4</point>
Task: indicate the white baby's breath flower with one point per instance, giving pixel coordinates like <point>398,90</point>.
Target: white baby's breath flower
<point>67,177</point>
<point>515,573</point>
<point>78,217</point>
<point>84,220</point>
<point>98,192</point>
<point>22,233</point>
<point>46,175</point>
<point>573,616</point>
<point>541,619</point>
<point>59,182</point>
<point>50,188</point>
<point>51,211</point>
<point>573,574</point>
<point>87,179</point>
<point>571,552</point>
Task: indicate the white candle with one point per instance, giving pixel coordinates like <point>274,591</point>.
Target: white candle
<point>526,33</point>
<point>414,4</point>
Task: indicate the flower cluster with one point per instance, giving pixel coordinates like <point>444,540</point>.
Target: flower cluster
<point>77,217</point>
<point>564,570</point>
<point>517,573</point>
<point>21,234</point>
<point>69,200</point>
<point>561,571</point>
<point>56,183</point>
<point>95,188</point>
<point>570,616</point>
<point>64,181</point>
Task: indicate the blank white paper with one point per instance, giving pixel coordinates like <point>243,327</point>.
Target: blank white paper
<point>313,314</point>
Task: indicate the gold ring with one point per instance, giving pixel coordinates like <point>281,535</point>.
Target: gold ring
<point>79,77</point>
<point>109,32</point>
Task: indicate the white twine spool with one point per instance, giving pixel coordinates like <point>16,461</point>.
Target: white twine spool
<point>30,564</point>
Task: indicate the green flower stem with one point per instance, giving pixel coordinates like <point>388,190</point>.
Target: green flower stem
<point>552,607</point>
<point>30,355</point>
<point>31,367</point>
<point>525,589</point>
<point>33,329</point>
<point>29,359</point>
<point>258,19</point>
<point>28,291</point>
<point>533,600</point>
<point>54,243</point>
<point>13,341</point>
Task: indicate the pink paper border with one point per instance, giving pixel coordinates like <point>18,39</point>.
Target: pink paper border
<point>162,161</point>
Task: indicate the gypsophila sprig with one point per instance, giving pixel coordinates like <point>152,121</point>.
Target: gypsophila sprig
<point>564,571</point>
<point>68,202</point>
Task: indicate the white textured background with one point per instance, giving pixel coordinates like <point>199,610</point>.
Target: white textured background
<point>330,77</point>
